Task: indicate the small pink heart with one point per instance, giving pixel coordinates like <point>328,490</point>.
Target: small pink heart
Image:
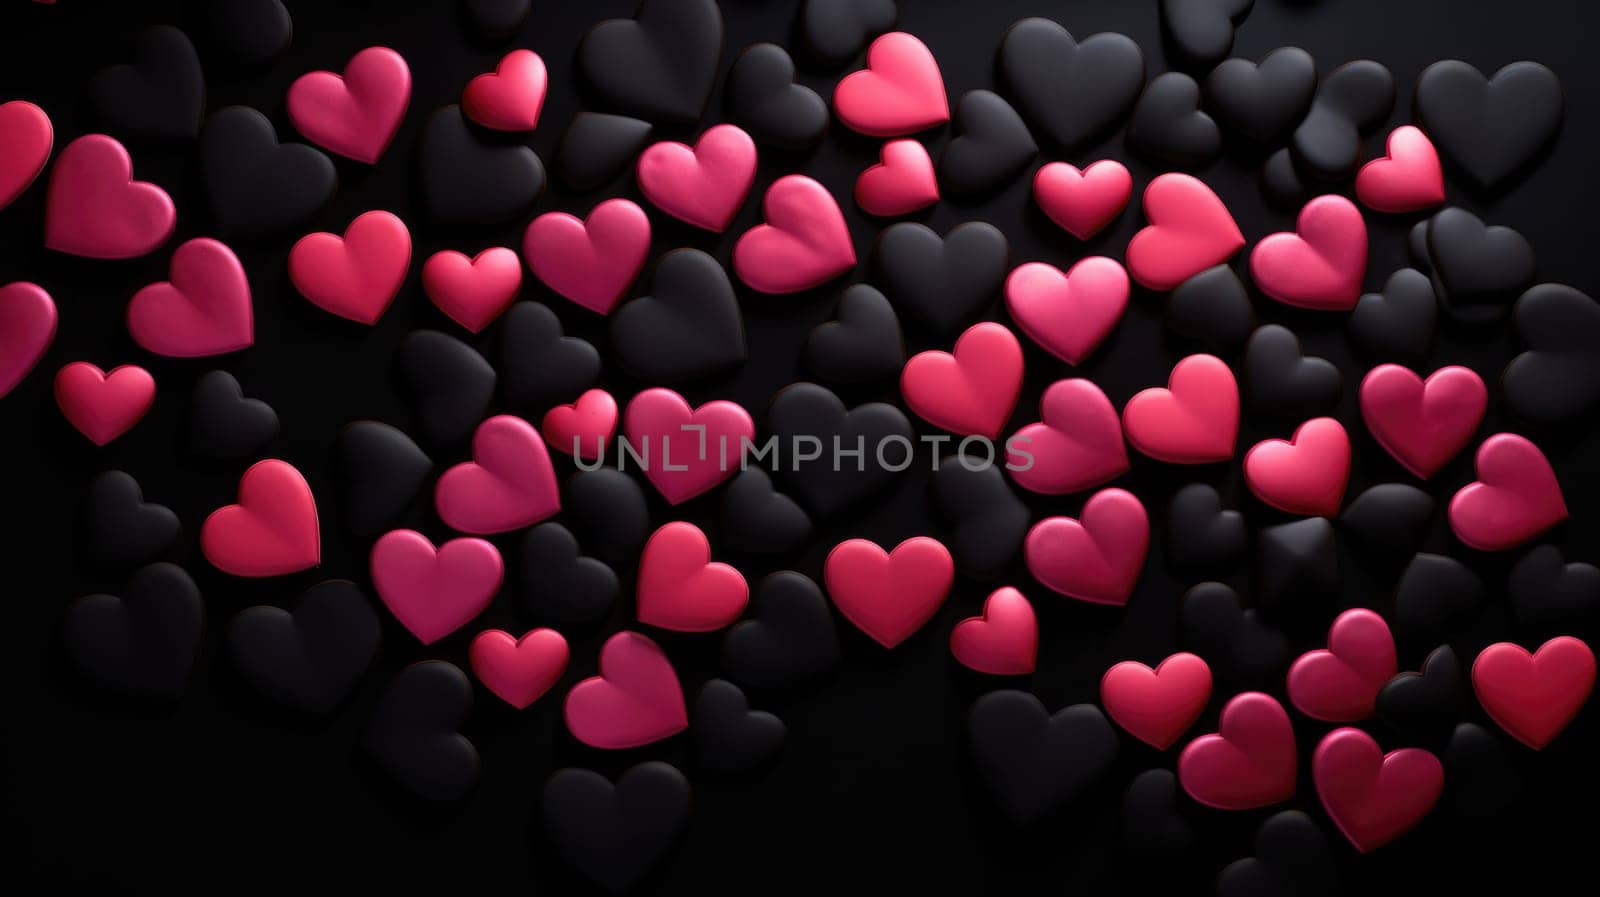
<point>518,670</point>
<point>970,390</point>
<point>1340,683</point>
<point>889,595</point>
<point>27,328</point>
<point>273,530</point>
<point>203,309</point>
<point>1068,314</point>
<point>1423,424</point>
<point>508,484</point>
<point>1083,203</point>
<point>901,183</point>
<point>899,92</point>
<point>511,97</point>
<point>1534,697</point>
<point>1004,641</point>
<point>583,428</point>
<point>1515,498</point>
<point>1305,474</point>
<point>1320,266</point>
<point>1190,230</point>
<point>104,406</point>
<point>1248,763</point>
<point>355,115</point>
<point>680,588</point>
<point>691,450</point>
<point>1371,796</point>
<point>473,291</point>
<point>1408,179</point>
<point>25,140</point>
<point>355,276</point>
<point>1096,558</point>
<point>433,592</point>
<point>1195,420</point>
<point>804,243</point>
<point>95,209</point>
<point>1077,446</point>
<point>592,261</point>
<point>1157,706</point>
<point>636,700</point>
<point>706,184</point>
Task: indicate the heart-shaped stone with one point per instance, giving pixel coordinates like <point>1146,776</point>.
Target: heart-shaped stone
<point>1305,474</point>
<point>705,184</point>
<point>1076,445</point>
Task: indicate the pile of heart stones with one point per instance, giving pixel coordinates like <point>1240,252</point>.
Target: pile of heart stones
<point>575,543</point>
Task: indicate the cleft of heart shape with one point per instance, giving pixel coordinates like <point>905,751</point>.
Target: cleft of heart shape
<point>1096,558</point>
<point>1534,697</point>
<point>28,321</point>
<point>1194,420</point>
<point>1408,179</point>
<point>1069,314</point>
<point>889,594</point>
<point>901,91</point>
<point>511,97</point>
<point>519,670</point>
<point>355,276</point>
<point>591,261</point>
<point>1157,706</point>
<point>1423,423</point>
<point>1320,266</point>
<point>475,290</point>
<point>203,308</point>
<point>101,405</point>
<point>1003,640</point>
<point>583,428</point>
<point>690,450</point>
<point>273,530</point>
<point>1371,796</point>
<point>1076,445</point>
<point>1305,474</point>
<point>1083,202</point>
<point>94,207</point>
<point>1248,763</point>
<point>434,591</point>
<point>1340,683</point>
<point>1190,230</point>
<point>970,390</point>
<point>355,114</point>
<point>803,244</point>
<point>902,182</point>
<point>636,700</point>
<point>706,184</point>
<point>509,483</point>
<point>1515,498</point>
<point>681,589</point>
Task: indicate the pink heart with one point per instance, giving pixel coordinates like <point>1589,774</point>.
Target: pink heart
<point>1515,497</point>
<point>27,328</point>
<point>95,208</point>
<point>473,291</point>
<point>1248,763</point>
<point>104,406</point>
<point>355,276</point>
<point>686,451</point>
<point>592,261</point>
<point>519,670</point>
<point>706,184</point>
<point>679,586</point>
<point>1004,641</point>
<point>1068,314</point>
<point>1157,706</point>
<point>889,595</point>
<point>355,115</point>
<point>1195,420</point>
<point>1077,445</point>
<point>584,428</point>
<point>1083,203</point>
<point>1304,475</point>
<point>25,140</point>
<point>1371,796</point>
<point>1408,179</point>
<point>1321,265</point>
<point>508,484</point>
<point>1423,424</point>
<point>636,699</point>
<point>204,309</point>
<point>273,530</point>
<point>902,182</point>
<point>434,592</point>
<point>804,243</point>
<point>1096,558</point>
<point>1534,696</point>
<point>899,92</point>
<point>1340,683</point>
<point>971,390</point>
<point>1190,230</point>
<point>511,97</point>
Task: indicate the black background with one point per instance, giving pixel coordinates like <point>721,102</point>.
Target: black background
<point>873,789</point>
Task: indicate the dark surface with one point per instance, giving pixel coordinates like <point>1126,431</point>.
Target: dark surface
<point>875,787</point>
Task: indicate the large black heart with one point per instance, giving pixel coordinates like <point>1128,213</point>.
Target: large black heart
<point>830,482</point>
<point>1490,128</point>
<point>413,732</point>
<point>539,365</point>
<point>554,581</point>
<point>689,326</point>
<point>468,180</point>
<point>120,529</point>
<point>142,643</point>
<point>862,345</point>
<point>615,834</point>
<point>1478,270</point>
<point>257,186</point>
<point>309,659</point>
<point>450,385</point>
<point>988,520</point>
<point>1281,381</point>
<point>763,97</point>
<point>1035,762</point>
<point>942,283</point>
<point>788,637</point>
<point>161,94</point>
<point>659,65</point>
<point>1263,102</point>
<point>1354,99</point>
<point>1558,377</point>
<point>1169,127</point>
<point>1200,32</point>
<point>728,735</point>
<point>380,473</point>
<point>992,146</point>
<point>1072,92</point>
<point>225,424</point>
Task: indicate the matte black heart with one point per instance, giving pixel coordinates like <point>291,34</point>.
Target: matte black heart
<point>1483,782</point>
<point>496,19</point>
<point>161,94</point>
<point>1558,377</point>
<point>1354,99</point>
<point>1478,270</point>
<point>1490,128</point>
<point>379,472</point>
<point>689,326</point>
<point>1263,103</point>
<point>554,581</point>
<point>943,283</point>
<point>249,33</point>
<point>728,735</point>
<point>1417,246</point>
<point>413,734</point>
<point>1169,127</point>
<point>1241,649</point>
<point>1436,597</point>
<point>539,365</point>
<point>1072,92</point>
<point>1548,594</point>
<point>862,345</point>
<point>1297,571</point>
<point>1152,828</point>
<point>597,148</point>
<point>142,643</point>
<point>1398,323</point>
<point>257,186</point>
<point>450,385</point>
<point>1034,762</point>
<point>467,180</point>
<point>1389,521</point>
<point>659,65</point>
<point>1292,858</point>
<point>762,96</point>
<point>759,520</point>
<point>607,512</point>
<point>311,659</point>
<point>991,148</point>
<point>615,834</point>
<point>1282,382</point>
<point>987,519</point>
<point>1428,702</point>
<point>788,637</point>
<point>1212,307</point>
<point>834,32</point>
<point>120,529</point>
<point>1201,536</point>
<point>802,412</point>
<point>225,424</point>
<point>1200,32</point>
<point>1282,185</point>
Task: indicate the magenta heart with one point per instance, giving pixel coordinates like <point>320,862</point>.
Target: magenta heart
<point>508,484</point>
<point>686,451</point>
<point>1083,202</point>
<point>584,428</point>
<point>1515,497</point>
<point>355,115</point>
<point>27,328</point>
<point>473,291</point>
<point>1068,314</point>
<point>1371,796</point>
<point>705,184</point>
<point>1408,179</point>
<point>1534,697</point>
<point>355,276</point>
<point>889,594</point>
<point>1306,474</point>
<point>1004,641</point>
<point>95,208</point>
<point>804,243</point>
<point>681,589</point>
<point>1321,265</point>
<point>1096,558</point>
<point>434,592</point>
<point>103,406</point>
<point>1190,230</point>
<point>1423,424</point>
<point>636,700</point>
<point>971,389</point>
<point>593,261</point>
<point>1076,446</point>
<point>1248,763</point>
<point>203,309</point>
<point>899,92</point>
<point>272,531</point>
<point>1157,706</point>
<point>1340,683</point>
<point>1194,420</point>
<point>901,183</point>
<point>511,97</point>
<point>25,140</point>
<point>519,670</point>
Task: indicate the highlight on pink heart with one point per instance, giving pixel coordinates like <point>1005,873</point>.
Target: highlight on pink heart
<point>28,322</point>
<point>1070,314</point>
<point>511,97</point>
<point>1321,264</point>
<point>706,184</point>
<point>686,451</point>
<point>889,594</point>
<point>803,244</point>
<point>1408,179</point>
<point>1194,420</point>
<point>1305,474</point>
<point>1371,796</point>
<point>970,390</point>
<point>1003,640</point>
<point>434,591</point>
<point>355,114</point>
<point>1534,697</point>
<point>1097,557</point>
<point>1248,763</point>
<point>1340,683</point>
<point>473,291</point>
<point>273,529</point>
<point>1083,202</point>
<point>1423,424</point>
<point>26,136</point>
<point>518,670</point>
<point>203,309</point>
<point>1157,706</point>
<point>591,261</point>
<point>357,275</point>
<point>681,588</point>
<point>509,483</point>
<point>103,406</point>
<point>1515,498</point>
<point>582,429</point>
<point>901,91</point>
<point>1077,444</point>
<point>902,182</point>
<point>636,700</point>
<point>1190,230</point>
<point>94,207</point>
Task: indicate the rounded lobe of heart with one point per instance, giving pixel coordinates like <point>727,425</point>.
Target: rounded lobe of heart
<point>511,97</point>
<point>685,460</point>
<point>473,291</point>
<point>1190,230</point>
<point>1320,266</point>
<point>1003,641</point>
<point>1096,558</point>
<point>1371,796</point>
<point>1248,763</point>
<point>355,276</point>
<point>26,136</point>
<point>519,670</point>
<point>1515,498</point>
<point>95,209</point>
<point>1408,179</point>
<point>681,589</point>
<point>204,309</point>
<point>583,428</point>
<point>591,261</point>
<point>1534,696</point>
<point>509,483</point>
<point>1083,203</point>
<point>434,592</point>
<point>1194,420</point>
<point>636,700</point>
<point>902,182</point>
<point>706,184</point>
<point>804,244</point>
<point>1305,474</point>
<point>1076,446</point>
<point>889,595</point>
<point>273,530</point>
<point>1423,424</point>
<point>1340,683</point>
<point>901,91</point>
<point>357,114</point>
<point>1157,706</point>
<point>28,322</point>
<point>1069,314</point>
<point>970,390</point>
<point>104,406</point>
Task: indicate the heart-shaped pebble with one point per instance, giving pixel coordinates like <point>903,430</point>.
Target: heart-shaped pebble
<point>1534,696</point>
<point>1076,445</point>
<point>473,291</point>
<point>1069,314</point>
<point>511,97</point>
<point>1096,558</point>
<point>582,429</point>
<point>1371,796</point>
<point>902,182</point>
<point>96,209</point>
<point>1083,202</point>
<point>693,449</point>
<point>1408,179</point>
<point>1194,420</point>
<point>1190,230</point>
<point>899,92</point>
<point>518,670</point>
<point>681,589</point>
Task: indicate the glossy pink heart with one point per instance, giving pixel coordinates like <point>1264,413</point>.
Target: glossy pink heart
<point>582,429</point>
<point>706,184</point>
<point>1190,230</point>
<point>1068,314</point>
<point>1305,474</point>
<point>473,291</point>
<point>636,700</point>
<point>1319,266</point>
<point>433,592</point>
<point>1083,202</point>
<point>889,594</point>
<point>1340,683</point>
<point>1423,424</point>
<point>1371,796</point>
<point>1003,641</point>
<point>27,328</point>
<point>689,450</point>
<point>1534,696</point>
<point>899,92</point>
<point>355,114</point>
<point>26,136</point>
<point>355,276</point>
<point>1515,498</point>
<point>104,406</point>
<point>973,388</point>
<point>1096,558</point>
<point>1076,446</point>
<point>591,261</point>
<point>519,670</point>
<point>508,484</point>
<point>203,309</point>
<point>1194,420</point>
<point>680,588</point>
<point>95,209</point>
<point>1248,763</point>
<point>1157,706</point>
<point>804,243</point>
<point>1408,179</point>
<point>273,530</point>
<point>902,182</point>
<point>511,97</point>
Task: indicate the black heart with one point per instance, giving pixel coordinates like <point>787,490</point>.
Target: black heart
<point>1490,128</point>
<point>1212,307</point>
<point>1152,828</point>
<point>988,521</point>
<point>1354,99</point>
<point>225,424</point>
<point>1297,571</point>
<point>862,345</point>
<point>249,33</point>
<point>311,659</point>
<point>380,472</point>
<point>1549,594</point>
<point>1399,322</point>
<point>120,529</point>
<point>1169,127</point>
<point>1201,536</point>
<point>788,638</point>
<point>827,484</point>
<point>759,520</point>
<point>1281,381</point>
<point>162,94</point>
<point>496,19</point>
<point>1436,597</point>
<point>942,283</point>
<point>991,147</point>
<point>540,366</point>
<point>1282,185</point>
<point>1240,648</point>
<point>615,834</point>
<point>728,735</point>
<point>467,180</point>
<point>834,31</point>
<point>1478,270</point>
<point>1072,92</point>
<point>142,643</point>
<point>1483,782</point>
<point>1558,377</point>
<point>763,97</point>
<point>413,734</point>
<point>596,149</point>
<point>1200,32</point>
<point>1035,762</point>
<point>1389,521</point>
<point>607,511</point>
<point>556,582</point>
<point>450,385</point>
<point>1426,702</point>
<point>660,65</point>
<point>257,186</point>
<point>689,326</point>
<point>1263,103</point>
<point>1292,858</point>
